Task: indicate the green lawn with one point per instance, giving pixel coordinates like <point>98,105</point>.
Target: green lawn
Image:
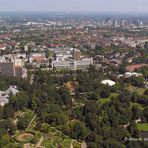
<point>142,126</point>
<point>76,145</point>
<point>47,144</point>
<point>56,137</point>
<point>30,115</point>
<point>66,143</point>
<point>53,140</point>
<point>136,104</point>
<point>133,88</point>
<point>105,100</point>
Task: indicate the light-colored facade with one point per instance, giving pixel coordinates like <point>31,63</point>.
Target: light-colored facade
<point>71,64</point>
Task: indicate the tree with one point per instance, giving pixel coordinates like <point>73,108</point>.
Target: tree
<point>137,81</point>
<point>105,93</point>
<point>23,123</point>
<point>55,119</point>
<point>90,107</point>
<point>79,131</point>
<point>45,128</point>
<point>92,145</point>
<point>8,111</point>
<point>66,129</point>
<point>136,112</point>
<point>146,45</point>
<point>93,137</point>
<point>122,68</point>
<point>119,133</point>
<point>20,101</point>
<point>135,96</point>
<point>64,96</point>
<point>5,140</point>
<point>146,92</point>
<point>133,130</point>
<point>112,143</point>
<point>93,96</point>
<point>145,113</point>
<point>77,113</point>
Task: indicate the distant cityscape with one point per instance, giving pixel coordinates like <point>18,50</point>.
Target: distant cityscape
<point>73,80</point>
<point>65,38</point>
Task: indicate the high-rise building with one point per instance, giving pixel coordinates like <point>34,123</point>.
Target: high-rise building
<point>9,69</point>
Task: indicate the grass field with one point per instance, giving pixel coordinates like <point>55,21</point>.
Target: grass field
<point>139,90</point>
<point>66,143</point>
<point>136,104</point>
<point>47,143</point>
<point>142,126</point>
<point>105,100</point>
<point>30,115</point>
<point>55,137</point>
<point>76,145</point>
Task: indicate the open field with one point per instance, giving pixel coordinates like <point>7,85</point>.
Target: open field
<point>142,126</point>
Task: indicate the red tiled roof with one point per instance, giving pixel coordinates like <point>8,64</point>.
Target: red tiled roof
<point>12,43</point>
<point>39,59</point>
<point>135,67</point>
<point>2,45</point>
<point>3,36</point>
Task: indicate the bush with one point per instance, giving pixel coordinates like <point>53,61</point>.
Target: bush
<point>45,128</point>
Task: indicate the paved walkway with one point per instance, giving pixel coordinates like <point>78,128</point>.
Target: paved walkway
<point>31,122</point>
<point>83,145</point>
<point>40,142</point>
<point>71,145</point>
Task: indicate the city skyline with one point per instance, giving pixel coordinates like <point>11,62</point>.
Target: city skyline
<point>75,5</point>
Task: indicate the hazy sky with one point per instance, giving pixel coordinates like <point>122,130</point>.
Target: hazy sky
<point>75,5</point>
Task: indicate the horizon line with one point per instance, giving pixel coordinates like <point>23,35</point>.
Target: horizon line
<point>73,11</point>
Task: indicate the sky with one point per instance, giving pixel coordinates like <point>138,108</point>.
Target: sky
<point>75,5</point>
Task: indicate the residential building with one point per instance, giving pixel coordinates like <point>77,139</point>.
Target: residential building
<point>71,64</point>
<point>2,46</point>
<point>108,82</point>
<point>10,69</point>
<point>76,54</point>
<point>4,95</point>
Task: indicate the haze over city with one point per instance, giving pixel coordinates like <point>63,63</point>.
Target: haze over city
<point>75,5</point>
<point>73,74</point>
